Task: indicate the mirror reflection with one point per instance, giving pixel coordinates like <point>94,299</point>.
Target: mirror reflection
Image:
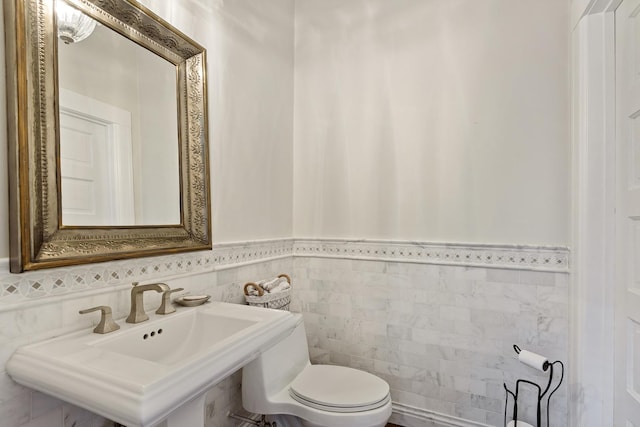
<point>119,151</point>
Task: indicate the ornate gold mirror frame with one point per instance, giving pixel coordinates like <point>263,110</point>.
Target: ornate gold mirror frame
<point>37,237</point>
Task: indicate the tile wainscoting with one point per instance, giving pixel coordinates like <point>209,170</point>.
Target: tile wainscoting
<point>437,321</point>
<point>39,305</point>
<point>32,286</point>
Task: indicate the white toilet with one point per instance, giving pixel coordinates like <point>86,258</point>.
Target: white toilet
<point>282,381</point>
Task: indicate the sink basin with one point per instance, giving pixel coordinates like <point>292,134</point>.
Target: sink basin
<point>176,338</point>
<point>142,373</point>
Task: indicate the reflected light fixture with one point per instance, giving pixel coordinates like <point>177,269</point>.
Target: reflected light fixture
<point>73,25</point>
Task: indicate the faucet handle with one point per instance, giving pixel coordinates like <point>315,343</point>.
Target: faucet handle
<point>166,307</point>
<point>106,324</point>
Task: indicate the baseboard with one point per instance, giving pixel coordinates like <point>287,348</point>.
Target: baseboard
<point>408,416</point>
<point>411,416</point>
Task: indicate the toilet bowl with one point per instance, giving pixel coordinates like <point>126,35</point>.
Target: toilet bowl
<point>282,383</point>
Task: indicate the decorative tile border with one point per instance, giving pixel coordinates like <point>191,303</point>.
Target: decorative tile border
<point>16,288</point>
<point>542,258</point>
<point>230,255</point>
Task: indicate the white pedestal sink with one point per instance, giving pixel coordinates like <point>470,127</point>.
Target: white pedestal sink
<point>155,372</point>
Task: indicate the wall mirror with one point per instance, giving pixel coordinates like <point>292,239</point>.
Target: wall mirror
<point>107,126</point>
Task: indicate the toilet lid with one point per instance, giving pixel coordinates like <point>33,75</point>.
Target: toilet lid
<point>339,389</point>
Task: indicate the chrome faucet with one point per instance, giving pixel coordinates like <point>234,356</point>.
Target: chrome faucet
<point>137,314</point>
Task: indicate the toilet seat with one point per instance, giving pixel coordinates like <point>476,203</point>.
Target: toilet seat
<point>339,389</point>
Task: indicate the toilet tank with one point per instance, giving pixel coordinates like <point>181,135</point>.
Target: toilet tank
<point>274,370</point>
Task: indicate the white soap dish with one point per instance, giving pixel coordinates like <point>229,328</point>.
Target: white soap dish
<point>192,300</point>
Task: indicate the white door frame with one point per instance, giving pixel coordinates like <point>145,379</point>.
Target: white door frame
<point>592,298</point>
<point>118,122</point>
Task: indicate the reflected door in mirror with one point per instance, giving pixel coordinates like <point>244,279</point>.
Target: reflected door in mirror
<point>118,104</point>
<point>89,194</point>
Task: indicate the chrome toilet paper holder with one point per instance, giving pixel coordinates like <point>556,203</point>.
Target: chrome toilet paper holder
<point>537,362</point>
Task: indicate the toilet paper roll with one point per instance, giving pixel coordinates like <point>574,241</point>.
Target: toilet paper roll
<point>534,360</point>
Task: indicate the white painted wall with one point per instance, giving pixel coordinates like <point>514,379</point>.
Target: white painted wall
<point>432,120</point>
<point>250,72</point>
<point>250,49</point>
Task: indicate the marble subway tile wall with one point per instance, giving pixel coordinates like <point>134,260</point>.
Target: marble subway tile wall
<point>27,315</point>
<point>441,335</point>
<point>439,328</point>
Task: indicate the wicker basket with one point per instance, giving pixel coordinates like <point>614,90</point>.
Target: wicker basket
<point>278,300</point>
